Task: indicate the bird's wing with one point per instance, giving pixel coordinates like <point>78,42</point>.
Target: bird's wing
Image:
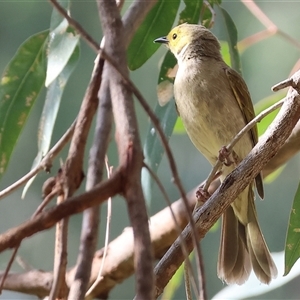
<point>243,98</point>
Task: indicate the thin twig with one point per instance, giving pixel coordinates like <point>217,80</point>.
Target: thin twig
<point>178,228</point>
<point>258,13</point>
<point>58,288</point>
<point>46,162</point>
<point>271,27</point>
<point>107,231</point>
<point>45,202</point>
<point>73,23</point>
<point>11,260</point>
<point>293,82</point>
<point>202,294</point>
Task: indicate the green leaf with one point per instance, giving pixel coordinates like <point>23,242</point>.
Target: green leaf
<point>19,88</point>
<point>153,148</point>
<point>157,23</point>
<point>232,40</point>
<point>61,46</point>
<point>63,55</point>
<point>56,17</point>
<point>50,110</point>
<point>191,12</point>
<point>179,128</point>
<point>264,104</point>
<point>225,52</point>
<point>292,245</point>
<point>208,13</point>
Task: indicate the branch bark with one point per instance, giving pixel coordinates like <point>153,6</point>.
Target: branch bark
<point>129,147</point>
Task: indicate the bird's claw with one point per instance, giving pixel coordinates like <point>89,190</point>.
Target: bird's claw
<point>202,195</point>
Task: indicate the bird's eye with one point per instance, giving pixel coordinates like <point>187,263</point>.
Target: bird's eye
<point>174,36</point>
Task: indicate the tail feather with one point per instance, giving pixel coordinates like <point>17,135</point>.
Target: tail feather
<point>234,265</point>
<point>242,245</point>
<point>262,261</point>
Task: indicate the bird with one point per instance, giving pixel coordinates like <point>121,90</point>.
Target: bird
<point>214,104</point>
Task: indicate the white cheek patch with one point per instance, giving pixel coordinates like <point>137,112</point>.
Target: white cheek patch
<point>181,52</point>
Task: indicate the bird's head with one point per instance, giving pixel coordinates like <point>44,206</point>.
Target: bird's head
<point>181,37</point>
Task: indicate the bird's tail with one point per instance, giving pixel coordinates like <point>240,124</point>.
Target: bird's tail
<point>243,247</point>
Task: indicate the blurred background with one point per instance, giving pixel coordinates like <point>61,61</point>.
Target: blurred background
<point>263,65</point>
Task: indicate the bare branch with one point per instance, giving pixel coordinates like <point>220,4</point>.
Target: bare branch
<point>46,162</point>
<point>76,204</point>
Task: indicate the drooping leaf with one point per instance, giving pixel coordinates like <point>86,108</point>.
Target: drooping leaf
<point>153,149</point>
<point>225,52</point>
<point>50,110</point>
<point>157,23</point>
<point>292,244</point>
<point>62,44</point>
<point>56,17</point>
<point>208,13</point>
<point>63,55</point>
<point>232,40</point>
<point>19,88</point>
<point>191,12</point>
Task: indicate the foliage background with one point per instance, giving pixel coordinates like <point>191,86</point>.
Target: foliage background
<point>263,65</point>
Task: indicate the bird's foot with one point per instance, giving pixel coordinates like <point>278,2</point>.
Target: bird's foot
<point>202,195</point>
<point>227,157</point>
<point>224,156</point>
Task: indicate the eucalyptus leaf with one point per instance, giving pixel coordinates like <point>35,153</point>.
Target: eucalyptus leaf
<point>63,55</point>
<point>232,40</point>
<point>50,110</point>
<point>61,46</point>
<point>19,88</point>
<point>292,244</point>
<point>157,23</point>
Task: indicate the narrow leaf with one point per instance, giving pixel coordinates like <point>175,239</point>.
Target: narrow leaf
<point>157,23</point>
<point>225,52</point>
<point>292,244</point>
<point>62,59</point>
<point>50,110</point>
<point>191,12</point>
<point>19,88</point>
<point>232,40</point>
<point>61,46</point>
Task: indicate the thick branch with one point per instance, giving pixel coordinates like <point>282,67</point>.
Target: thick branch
<point>73,205</point>
<point>129,147</point>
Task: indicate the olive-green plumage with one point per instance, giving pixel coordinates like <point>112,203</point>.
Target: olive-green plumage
<point>214,104</point>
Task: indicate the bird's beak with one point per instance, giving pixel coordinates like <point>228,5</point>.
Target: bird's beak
<point>162,40</point>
